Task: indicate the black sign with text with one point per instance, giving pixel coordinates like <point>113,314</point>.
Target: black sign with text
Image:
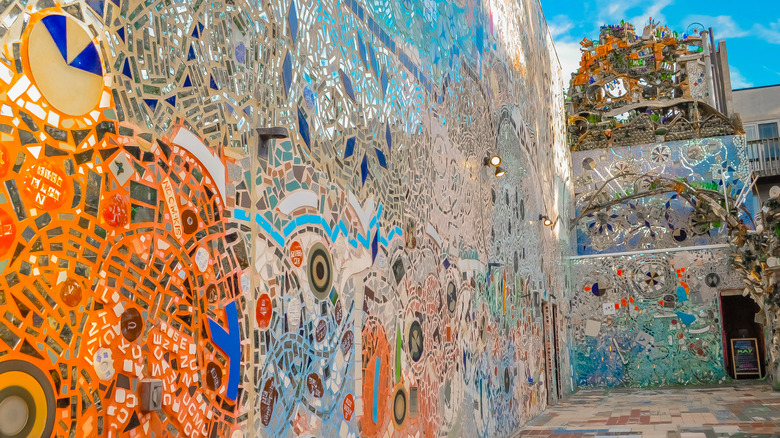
<point>744,355</point>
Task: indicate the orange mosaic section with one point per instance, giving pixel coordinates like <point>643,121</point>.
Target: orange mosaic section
<point>122,264</point>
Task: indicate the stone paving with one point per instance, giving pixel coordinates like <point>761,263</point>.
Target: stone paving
<point>748,410</point>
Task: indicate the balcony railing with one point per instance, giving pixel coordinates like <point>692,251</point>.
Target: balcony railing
<point>764,156</point>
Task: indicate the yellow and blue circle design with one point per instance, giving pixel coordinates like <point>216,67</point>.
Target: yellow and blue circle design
<point>65,64</point>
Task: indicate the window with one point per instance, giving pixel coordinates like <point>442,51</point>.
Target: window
<point>750,132</point>
<point>767,130</point>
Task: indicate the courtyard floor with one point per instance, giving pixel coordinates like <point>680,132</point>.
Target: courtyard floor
<point>749,410</point>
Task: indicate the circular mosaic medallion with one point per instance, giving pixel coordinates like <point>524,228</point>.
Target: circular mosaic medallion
<point>653,278</point>
<point>399,407</point>
<point>415,341</point>
<point>712,279</point>
<point>27,406</point>
<point>660,154</point>
<point>452,297</point>
<point>320,271</point>
<point>680,235</point>
<point>65,64</point>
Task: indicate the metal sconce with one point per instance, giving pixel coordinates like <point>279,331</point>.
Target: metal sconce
<point>495,161</point>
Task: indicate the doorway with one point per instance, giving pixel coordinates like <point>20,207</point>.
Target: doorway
<point>553,374</point>
<point>739,314</point>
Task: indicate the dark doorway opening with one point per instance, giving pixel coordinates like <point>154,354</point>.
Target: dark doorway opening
<point>739,322</point>
<point>553,374</point>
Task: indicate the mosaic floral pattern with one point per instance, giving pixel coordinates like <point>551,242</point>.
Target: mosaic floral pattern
<point>660,221</point>
<point>166,269</point>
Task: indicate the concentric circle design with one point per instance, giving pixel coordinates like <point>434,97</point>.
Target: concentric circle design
<point>415,341</point>
<point>65,64</point>
<point>452,297</point>
<point>27,405</point>
<point>320,271</point>
<point>399,407</point>
<point>653,278</point>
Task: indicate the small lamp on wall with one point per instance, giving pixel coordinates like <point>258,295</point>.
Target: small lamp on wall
<point>546,221</point>
<point>495,161</point>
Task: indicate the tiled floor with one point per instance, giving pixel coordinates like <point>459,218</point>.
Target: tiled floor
<point>749,410</point>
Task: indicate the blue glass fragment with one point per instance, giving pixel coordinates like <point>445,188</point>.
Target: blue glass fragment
<point>389,138</point>
<point>151,103</point>
<point>287,73</point>
<point>381,157</point>
<point>97,5</point>
<point>350,148</point>
<point>347,85</point>
<point>88,60</point>
<point>126,69</point>
<point>303,128</point>
<point>56,26</point>
<point>364,169</point>
<point>293,21</point>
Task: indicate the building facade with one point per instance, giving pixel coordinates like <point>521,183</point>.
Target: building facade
<point>658,165</point>
<point>239,219</point>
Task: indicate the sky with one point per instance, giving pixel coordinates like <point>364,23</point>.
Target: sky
<point>751,29</point>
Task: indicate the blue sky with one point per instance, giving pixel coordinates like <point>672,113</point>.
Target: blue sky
<point>751,29</point>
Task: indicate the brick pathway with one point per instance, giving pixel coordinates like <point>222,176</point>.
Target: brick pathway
<point>748,410</point>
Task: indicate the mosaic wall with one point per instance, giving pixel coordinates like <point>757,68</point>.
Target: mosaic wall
<point>649,320</point>
<point>660,221</point>
<point>167,271</point>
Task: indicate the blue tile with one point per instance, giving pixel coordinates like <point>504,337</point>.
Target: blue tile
<point>126,69</point>
<point>293,21</point>
<point>347,85</point>
<point>364,169</point>
<point>388,137</point>
<point>56,26</point>
<point>97,5</point>
<point>381,157</point>
<point>303,128</point>
<point>151,103</point>
<point>287,73</point>
<point>350,148</point>
<point>88,60</point>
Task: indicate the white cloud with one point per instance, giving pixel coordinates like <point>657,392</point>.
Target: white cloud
<point>723,26</point>
<point>770,33</point>
<point>559,25</point>
<point>654,10</point>
<point>737,80</point>
<point>611,11</point>
<point>569,54</point>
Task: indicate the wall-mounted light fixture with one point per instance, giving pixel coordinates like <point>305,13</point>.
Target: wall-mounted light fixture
<point>547,221</point>
<point>495,161</point>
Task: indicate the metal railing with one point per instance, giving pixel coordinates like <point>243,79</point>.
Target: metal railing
<point>764,156</point>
